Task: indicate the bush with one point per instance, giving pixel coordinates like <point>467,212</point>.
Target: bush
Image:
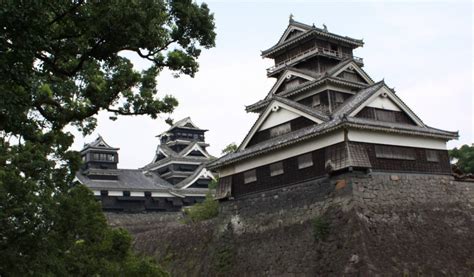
<point>213,184</point>
<point>208,209</point>
<point>320,228</point>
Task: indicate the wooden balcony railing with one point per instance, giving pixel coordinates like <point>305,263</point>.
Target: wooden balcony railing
<point>310,52</point>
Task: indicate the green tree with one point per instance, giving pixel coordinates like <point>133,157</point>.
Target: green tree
<point>62,63</point>
<point>464,158</point>
<point>229,148</point>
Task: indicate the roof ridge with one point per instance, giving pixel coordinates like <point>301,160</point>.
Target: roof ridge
<point>302,107</point>
<point>351,103</point>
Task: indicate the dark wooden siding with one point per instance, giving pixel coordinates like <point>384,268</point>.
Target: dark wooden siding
<point>296,124</point>
<point>131,204</point>
<point>391,116</point>
<point>290,175</point>
<point>419,165</point>
<point>328,100</point>
<point>293,175</point>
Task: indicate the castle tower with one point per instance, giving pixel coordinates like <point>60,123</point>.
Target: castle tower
<point>175,179</point>
<point>181,156</point>
<point>325,115</point>
<point>98,154</point>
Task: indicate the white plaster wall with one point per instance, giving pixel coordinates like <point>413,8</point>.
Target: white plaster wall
<point>395,139</point>
<point>115,193</point>
<point>278,155</point>
<point>384,103</point>
<point>278,117</point>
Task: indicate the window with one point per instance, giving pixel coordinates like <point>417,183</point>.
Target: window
<point>316,100</point>
<point>126,193</point>
<point>250,176</point>
<point>305,161</point>
<point>103,157</point>
<point>394,152</point>
<point>276,169</point>
<point>280,130</point>
<point>432,156</point>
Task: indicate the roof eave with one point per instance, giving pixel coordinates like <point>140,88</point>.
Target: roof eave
<point>272,50</point>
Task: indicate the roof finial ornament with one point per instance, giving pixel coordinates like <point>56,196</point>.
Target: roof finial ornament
<point>325,27</point>
<point>291,18</point>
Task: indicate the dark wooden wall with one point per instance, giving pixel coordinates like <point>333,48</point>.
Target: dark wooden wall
<point>293,175</point>
<point>392,116</point>
<point>147,203</point>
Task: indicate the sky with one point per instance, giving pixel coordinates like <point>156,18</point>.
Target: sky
<point>422,49</point>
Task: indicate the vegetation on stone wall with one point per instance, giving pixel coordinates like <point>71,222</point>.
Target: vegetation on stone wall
<point>213,184</point>
<point>464,158</point>
<point>208,209</point>
<point>320,228</point>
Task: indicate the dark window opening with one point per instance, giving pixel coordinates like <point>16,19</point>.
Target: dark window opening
<point>305,161</point>
<point>432,156</point>
<point>103,157</point>
<point>126,193</point>
<point>250,176</point>
<point>276,169</point>
<point>394,152</point>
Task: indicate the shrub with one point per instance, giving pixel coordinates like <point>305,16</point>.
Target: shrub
<point>208,209</point>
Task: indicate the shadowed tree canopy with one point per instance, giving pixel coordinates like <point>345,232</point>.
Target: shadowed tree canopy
<point>464,156</point>
<point>61,63</point>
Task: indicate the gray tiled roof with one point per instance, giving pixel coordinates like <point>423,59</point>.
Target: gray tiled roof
<point>176,159</point>
<point>99,143</point>
<point>275,143</point>
<point>295,105</point>
<point>303,108</point>
<point>405,128</point>
<point>128,179</point>
<point>136,180</point>
<point>355,100</point>
<point>190,177</point>
<point>339,119</point>
<point>303,87</point>
<point>309,31</point>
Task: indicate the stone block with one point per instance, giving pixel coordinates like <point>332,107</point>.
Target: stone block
<point>340,184</point>
<point>394,178</point>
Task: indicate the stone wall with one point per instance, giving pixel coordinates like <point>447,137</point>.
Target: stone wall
<point>388,224</point>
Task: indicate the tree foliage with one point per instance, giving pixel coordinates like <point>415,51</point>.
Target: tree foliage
<point>229,148</point>
<point>208,209</point>
<point>464,158</point>
<point>62,63</point>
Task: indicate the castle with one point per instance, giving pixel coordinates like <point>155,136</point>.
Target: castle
<point>175,178</point>
<point>325,115</point>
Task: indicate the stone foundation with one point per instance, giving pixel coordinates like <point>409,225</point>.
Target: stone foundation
<point>386,224</point>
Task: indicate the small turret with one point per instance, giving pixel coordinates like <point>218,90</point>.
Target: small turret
<point>98,154</point>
